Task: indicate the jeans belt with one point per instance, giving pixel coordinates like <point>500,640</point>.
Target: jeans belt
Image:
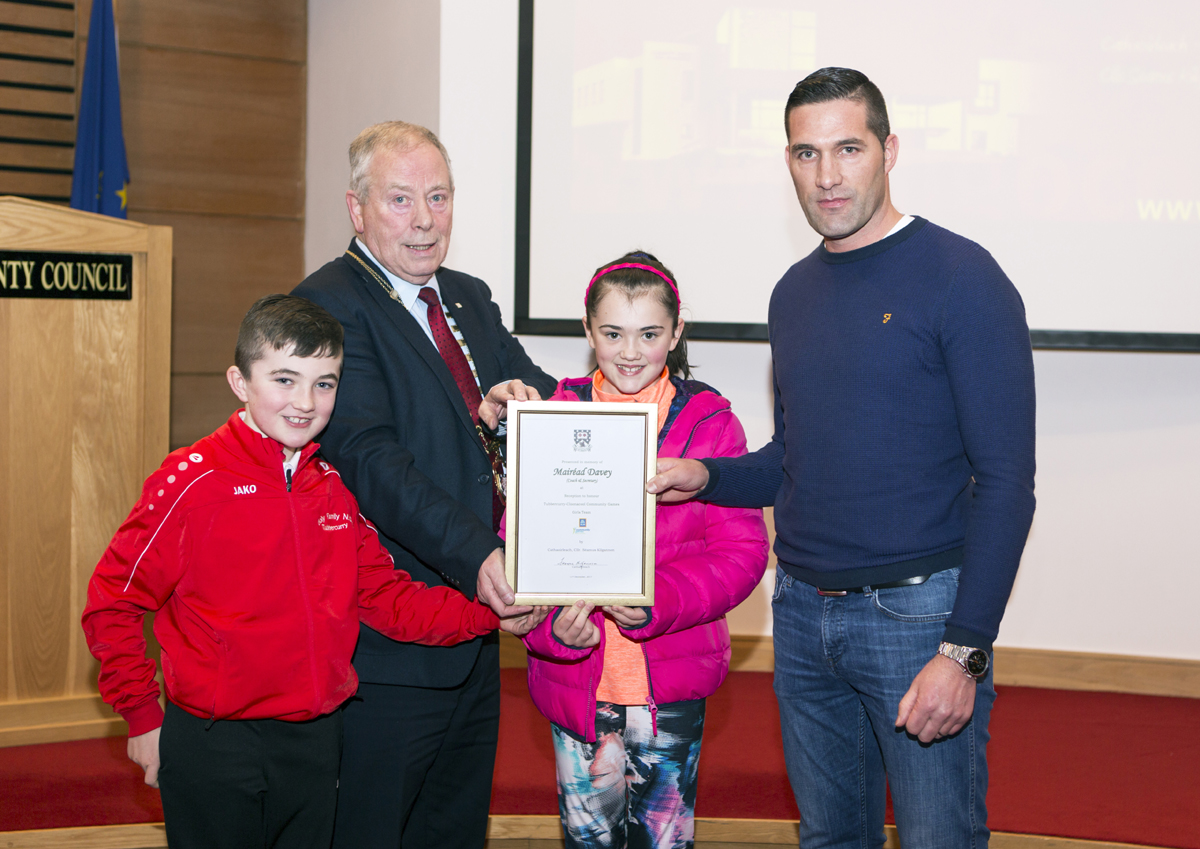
<point>903,582</point>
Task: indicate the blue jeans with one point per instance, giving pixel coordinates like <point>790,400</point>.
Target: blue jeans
<point>842,664</point>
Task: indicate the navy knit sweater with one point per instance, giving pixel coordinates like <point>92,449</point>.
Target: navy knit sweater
<point>904,422</point>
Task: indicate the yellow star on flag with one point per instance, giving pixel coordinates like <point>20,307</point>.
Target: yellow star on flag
<point>123,194</point>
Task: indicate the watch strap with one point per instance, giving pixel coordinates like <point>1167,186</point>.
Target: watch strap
<point>964,655</point>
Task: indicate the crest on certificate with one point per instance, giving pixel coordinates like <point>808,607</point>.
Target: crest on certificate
<point>583,440</point>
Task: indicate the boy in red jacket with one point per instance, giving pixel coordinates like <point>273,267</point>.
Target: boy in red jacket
<point>260,566</point>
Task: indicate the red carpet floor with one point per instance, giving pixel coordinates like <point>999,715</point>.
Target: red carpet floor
<point>1098,766</point>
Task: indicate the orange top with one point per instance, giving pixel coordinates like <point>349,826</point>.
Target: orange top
<point>660,392</point>
<point>623,680</point>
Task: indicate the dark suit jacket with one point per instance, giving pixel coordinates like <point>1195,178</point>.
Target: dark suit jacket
<point>404,443</point>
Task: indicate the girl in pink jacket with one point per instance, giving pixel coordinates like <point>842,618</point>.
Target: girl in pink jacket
<point>624,688</point>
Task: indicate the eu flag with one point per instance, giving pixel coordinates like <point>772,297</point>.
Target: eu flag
<point>101,171</point>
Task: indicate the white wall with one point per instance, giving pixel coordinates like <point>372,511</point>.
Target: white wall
<point>1111,564</point>
<point>1109,567</point>
<point>368,61</point>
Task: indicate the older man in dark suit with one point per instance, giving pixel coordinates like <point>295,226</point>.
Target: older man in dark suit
<point>423,344</point>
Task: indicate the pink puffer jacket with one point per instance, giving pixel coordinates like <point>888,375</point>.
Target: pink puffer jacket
<point>708,560</point>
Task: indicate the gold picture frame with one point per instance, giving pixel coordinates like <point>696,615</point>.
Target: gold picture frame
<point>578,513</point>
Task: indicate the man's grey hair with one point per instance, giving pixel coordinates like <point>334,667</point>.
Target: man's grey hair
<point>390,135</point>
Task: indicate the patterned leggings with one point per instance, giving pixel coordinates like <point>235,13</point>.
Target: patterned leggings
<point>631,789</point>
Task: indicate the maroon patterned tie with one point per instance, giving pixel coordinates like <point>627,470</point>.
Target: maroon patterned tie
<point>452,353</point>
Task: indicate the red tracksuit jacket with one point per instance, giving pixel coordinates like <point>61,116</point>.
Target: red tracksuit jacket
<point>259,584</point>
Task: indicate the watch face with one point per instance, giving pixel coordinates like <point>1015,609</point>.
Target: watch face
<point>977,663</point>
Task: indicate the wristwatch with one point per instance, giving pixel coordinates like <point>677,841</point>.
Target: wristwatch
<point>974,662</point>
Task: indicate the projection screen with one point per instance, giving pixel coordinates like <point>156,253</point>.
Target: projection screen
<point>1059,136</point>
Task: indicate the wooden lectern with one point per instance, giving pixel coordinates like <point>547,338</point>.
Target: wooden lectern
<point>85,378</point>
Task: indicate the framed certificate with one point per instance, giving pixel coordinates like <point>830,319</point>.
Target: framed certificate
<point>580,524</point>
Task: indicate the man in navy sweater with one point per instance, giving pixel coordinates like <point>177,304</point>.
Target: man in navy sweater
<point>901,471</point>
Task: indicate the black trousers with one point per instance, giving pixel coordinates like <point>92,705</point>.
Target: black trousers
<point>248,784</point>
<point>417,763</point>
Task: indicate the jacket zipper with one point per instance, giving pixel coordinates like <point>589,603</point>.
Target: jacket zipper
<point>645,657</point>
<point>649,690</point>
<point>303,581</point>
<point>650,693</point>
<point>592,696</point>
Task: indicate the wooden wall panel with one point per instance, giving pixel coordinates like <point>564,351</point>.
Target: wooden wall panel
<point>36,73</point>
<point>156,370</point>
<point>266,29</point>
<point>200,403</point>
<point>40,17</point>
<point>213,97</point>
<point>34,127</point>
<point>37,155</point>
<point>210,133</point>
<point>223,265</point>
<point>31,44</point>
<point>38,100</point>
<point>34,185</point>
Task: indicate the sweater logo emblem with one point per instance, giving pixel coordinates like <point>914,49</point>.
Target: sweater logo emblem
<point>249,489</point>
<point>334,521</point>
<point>583,440</point>
<point>887,316</point>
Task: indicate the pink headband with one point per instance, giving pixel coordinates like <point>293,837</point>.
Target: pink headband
<point>649,268</point>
